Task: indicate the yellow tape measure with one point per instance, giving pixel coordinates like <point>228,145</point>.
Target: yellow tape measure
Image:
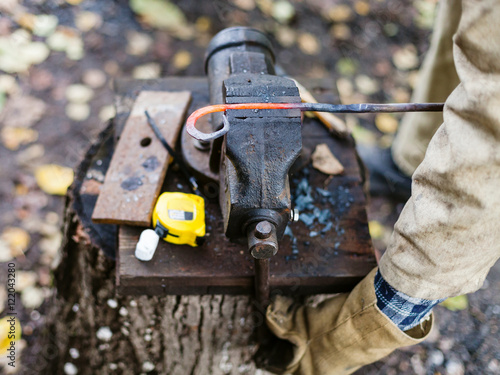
<point>178,218</point>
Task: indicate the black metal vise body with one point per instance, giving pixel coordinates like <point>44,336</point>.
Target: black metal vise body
<point>256,154</point>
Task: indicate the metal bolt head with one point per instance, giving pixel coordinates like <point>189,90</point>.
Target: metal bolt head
<point>294,215</point>
<point>263,230</point>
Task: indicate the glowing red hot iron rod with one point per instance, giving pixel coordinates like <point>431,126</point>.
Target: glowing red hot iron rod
<point>314,107</point>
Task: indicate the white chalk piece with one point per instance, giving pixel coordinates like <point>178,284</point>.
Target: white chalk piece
<point>146,247</point>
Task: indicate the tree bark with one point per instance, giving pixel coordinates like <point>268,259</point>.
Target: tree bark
<point>113,334</point>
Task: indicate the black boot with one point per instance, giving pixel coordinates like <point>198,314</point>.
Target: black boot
<point>386,179</point>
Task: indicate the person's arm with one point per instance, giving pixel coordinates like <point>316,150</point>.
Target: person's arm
<point>448,235</point>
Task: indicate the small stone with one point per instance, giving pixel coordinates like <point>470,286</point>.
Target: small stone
<point>94,78</point>
<point>112,303</point>
<point>366,85</point>
<point>113,366</point>
<point>104,334</point>
<point>147,71</point>
<point>78,93</point>
<point>455,367</point>
<point>77,111</point>
<point>436,358</point>
<point>70,369</point>
<point>123,311</point>
<point>148,366</point>
<point>32,297</point>
<point>74,353</point>
<point>138,43</point>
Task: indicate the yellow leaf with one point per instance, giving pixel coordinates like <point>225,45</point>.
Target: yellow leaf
<point>324,161</point>
<point>309,44</point>
<point>17,240</point>
<point>340,13</point>
<point>386,123</point>
<point>456,303</point>
<point>13,138</point>
<point>10,331</point>
<point>54,179</point>
<point>376,229</point>
<point>182,60</point>
<point>362,8</point>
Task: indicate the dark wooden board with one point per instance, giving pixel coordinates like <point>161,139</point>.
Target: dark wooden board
<point>329,263</point>
<point>139,163</point>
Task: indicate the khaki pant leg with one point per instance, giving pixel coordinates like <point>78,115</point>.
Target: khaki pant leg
<point>437,79</point>
<point>448,236</point>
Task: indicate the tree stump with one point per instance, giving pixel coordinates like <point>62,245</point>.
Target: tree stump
<point>132,335</point>
<point>91,328</point>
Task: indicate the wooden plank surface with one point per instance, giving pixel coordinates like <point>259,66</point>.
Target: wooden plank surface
<point>139,163</point>
<point>308,264</point>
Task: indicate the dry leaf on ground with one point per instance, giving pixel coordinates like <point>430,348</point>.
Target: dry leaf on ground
<point>5,329</point>
<point>14,242</point>
<point>324,161</point>
<point>13,138</point>
<point>386,123</point>
<point>54,179</point>
<point>22,111</point>
<point>456,303</point>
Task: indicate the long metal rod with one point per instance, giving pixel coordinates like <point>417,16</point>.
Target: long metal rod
<point>315,107</point>
<point>262,282</point>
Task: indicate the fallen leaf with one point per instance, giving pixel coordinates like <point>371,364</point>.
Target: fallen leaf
<point>86,21</point>
<point>247,5</point>
<point>147,71</point>
<point>54,179</point>
<point>362,8</point>
<point>78,93</point>
<point>426,13</point>
<point>5,329</point>
<point>308,43</point>
<point>203,24</point>
<point>182,59</point>
<point>160,14</point>
<point>25,279</point>
<point>18,52</point>
<point>13,138</point>
<point>45,24</point>
<point>77,111</point>
<point>457,303</point>
<point>283,11</point>
<point>324,161</point>
<point>138,43</point>
<point>107,112</point>
<point>94,78</point>
<point>8,84</point>
<point>32,297</point>
<point>340,13</point>
<point>366,85</point>
<point>376,229</point>
<point>341,31</point>
<point>346,66</point>
<point>22,111</point>
<point>74,2</point>
<point>285,36</point>
<point>406,58</point>
<point>386,123</point>
<point>68,40</point>
<point>17,241</point>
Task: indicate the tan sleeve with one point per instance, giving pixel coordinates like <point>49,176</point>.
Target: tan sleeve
<point>448,235</point>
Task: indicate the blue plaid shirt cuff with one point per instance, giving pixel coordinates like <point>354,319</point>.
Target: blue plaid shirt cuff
<point>405,311</point>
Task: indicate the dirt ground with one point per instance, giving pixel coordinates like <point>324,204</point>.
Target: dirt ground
<point>56,94</point>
